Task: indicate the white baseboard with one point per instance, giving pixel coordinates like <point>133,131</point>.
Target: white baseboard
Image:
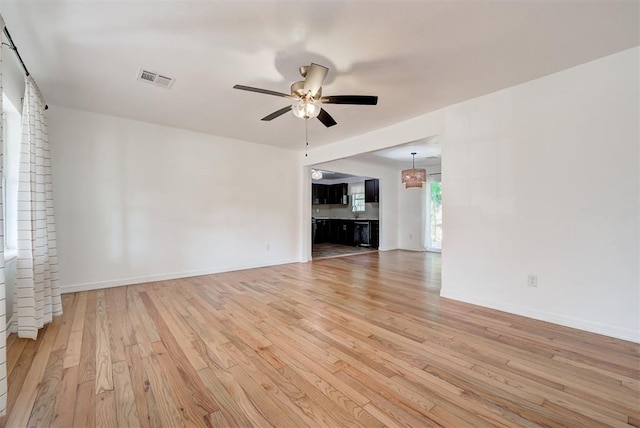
<point>73,288</point>
<point>10,326</point>
<point>564,320</point>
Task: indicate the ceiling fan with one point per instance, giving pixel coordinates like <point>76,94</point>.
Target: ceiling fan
<point>307,95</point>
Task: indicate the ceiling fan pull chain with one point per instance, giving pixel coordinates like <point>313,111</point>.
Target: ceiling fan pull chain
<point>306,137</point>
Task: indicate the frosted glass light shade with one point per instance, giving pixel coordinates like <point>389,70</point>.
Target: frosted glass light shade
<point>414,177</point>
<point>306,110</point>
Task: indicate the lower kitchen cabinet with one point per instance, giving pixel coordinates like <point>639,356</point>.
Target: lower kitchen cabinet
<point>362,233</point>
<point>323,231</point>
<point>375,233</point>
<point>346,232</point>
<point>336,226</point>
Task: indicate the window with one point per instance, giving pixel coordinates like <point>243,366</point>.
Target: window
<point>11,126</point>
<point>356,190</point>
<point>435,215</point>
<point>357,203</point>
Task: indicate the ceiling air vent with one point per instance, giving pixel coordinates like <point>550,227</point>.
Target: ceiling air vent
<point>155,78</point>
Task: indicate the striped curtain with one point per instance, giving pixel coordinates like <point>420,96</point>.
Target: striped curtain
<point>37,292</point>
<point>3,303</point>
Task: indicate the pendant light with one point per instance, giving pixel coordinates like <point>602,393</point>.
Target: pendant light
<point>414,177</point>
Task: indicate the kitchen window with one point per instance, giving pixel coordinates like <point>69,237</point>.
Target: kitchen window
<point>358,203</point>
<point>356,190</point>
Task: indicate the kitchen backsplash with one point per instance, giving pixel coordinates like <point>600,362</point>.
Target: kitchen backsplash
<point>344,211</point>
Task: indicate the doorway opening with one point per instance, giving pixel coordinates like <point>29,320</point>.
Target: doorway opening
<point>344,214</point>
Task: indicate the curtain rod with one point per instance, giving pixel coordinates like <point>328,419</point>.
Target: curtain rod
<point>13,47</point>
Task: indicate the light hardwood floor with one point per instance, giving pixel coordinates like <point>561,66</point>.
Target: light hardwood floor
<point>327,249</point>
<point>355,341</point>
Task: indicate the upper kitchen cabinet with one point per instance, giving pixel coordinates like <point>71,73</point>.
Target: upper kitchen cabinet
<point>319,194</point>
<point>371,190</point>
<point>340,194</point>
<point>322,194</point>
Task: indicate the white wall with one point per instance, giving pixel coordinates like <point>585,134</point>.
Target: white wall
<point>543,178</point>
<point>540,178</point>
<point>411,212</point>
<point>136,202</point>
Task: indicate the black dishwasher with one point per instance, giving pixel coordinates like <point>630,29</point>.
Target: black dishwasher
<point>361,234</point>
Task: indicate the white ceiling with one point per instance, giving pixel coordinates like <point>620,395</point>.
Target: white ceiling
<point>417,56</point>
<point>428,153</point>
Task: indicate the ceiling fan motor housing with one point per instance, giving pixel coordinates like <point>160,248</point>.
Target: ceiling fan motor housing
<point>297,89</point>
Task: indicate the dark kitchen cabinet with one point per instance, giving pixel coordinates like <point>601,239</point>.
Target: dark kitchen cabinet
<point>334,194</point>
<point>357,233</point>
<point>323,194</point>
<point>339,193</point>
<point>319,194</point>
<point>323,231</point>
<point>375,233</point>
<point>336,226</point>
<point>371,190</point>
<point>318,227</point>
<point>344,193</point>
<point>344,232</point>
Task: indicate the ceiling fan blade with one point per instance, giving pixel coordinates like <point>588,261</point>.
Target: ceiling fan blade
<point>365,100</point>
<point>314,78</point>
<point>277,113</point>
<point>326,118</point>
<point>262,91</point>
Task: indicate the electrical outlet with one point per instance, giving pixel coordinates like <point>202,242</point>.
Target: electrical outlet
<point>532,280</point>
<point>268,247</point>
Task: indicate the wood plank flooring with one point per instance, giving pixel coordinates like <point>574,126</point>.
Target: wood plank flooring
<point>327,249</point>
<point>354,341</point>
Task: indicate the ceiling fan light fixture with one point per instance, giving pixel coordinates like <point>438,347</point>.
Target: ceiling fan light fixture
<point>414,177</point>
<point>305,110</point>
<point>316,174</point>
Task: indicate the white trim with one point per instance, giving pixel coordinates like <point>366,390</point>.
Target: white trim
<point>73,288</point>
<point>11,328</point>
<point>580,324</point>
